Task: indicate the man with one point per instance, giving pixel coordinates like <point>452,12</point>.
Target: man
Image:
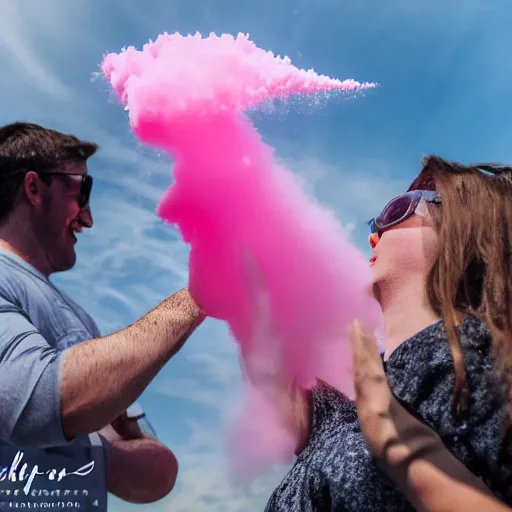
<point>58,391</point>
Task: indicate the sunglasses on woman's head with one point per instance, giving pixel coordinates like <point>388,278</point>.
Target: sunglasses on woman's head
<point>400,209</point>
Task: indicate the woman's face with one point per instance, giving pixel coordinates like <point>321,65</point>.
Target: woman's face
<point>407,250</point>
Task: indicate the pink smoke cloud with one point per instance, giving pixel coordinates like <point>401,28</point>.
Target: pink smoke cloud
<point>265,257</point>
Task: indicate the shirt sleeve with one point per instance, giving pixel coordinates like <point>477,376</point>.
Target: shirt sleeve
<point>29,383</point>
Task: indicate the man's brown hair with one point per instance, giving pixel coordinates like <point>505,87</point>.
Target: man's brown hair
<point>30,147</point>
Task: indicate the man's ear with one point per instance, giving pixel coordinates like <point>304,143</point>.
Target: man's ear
<point>32,186</point>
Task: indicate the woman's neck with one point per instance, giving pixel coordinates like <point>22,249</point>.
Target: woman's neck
<point>406,313</point>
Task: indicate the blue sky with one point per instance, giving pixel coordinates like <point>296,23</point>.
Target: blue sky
<point>444,70</point>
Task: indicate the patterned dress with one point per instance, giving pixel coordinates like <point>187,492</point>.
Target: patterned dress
<point>336,471</point>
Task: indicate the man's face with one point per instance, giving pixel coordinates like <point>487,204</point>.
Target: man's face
<point>60,217</point>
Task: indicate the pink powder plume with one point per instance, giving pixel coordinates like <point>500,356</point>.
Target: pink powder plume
<point>265,258</point>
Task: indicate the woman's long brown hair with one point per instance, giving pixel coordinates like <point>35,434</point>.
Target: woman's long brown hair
<point>472,274</point>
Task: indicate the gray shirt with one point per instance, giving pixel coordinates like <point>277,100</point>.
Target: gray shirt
<point>37,323</point>
<point>336,471</point>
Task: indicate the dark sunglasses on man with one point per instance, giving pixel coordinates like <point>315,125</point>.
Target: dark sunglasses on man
<point>85,186</point>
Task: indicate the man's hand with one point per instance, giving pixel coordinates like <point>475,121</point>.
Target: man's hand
<point>139,469</point>
<point>126,428</point>
<point>122,429</point>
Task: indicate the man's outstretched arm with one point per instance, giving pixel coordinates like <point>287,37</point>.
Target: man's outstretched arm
<point>83,388</point>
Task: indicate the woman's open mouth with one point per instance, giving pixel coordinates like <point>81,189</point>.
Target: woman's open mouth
<point>372,260</point>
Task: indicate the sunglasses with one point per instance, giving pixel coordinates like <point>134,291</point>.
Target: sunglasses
<point>400,209</point>
<point>85,186</point>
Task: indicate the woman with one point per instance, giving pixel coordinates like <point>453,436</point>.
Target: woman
<point>406,449</point>
<point>442,283</point>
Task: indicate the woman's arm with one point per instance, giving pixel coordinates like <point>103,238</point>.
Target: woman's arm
<point>412,454</point>
<point>431,489</point>
<point>263,367</point>
<point>292,403</point>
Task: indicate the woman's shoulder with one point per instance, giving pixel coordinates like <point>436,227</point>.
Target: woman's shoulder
<point>425,362</point>
<point>431,343</point>
<point>422,376</point>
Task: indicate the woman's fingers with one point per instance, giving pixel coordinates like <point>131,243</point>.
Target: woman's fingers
<point>373,396</point>
<point>369,376</point>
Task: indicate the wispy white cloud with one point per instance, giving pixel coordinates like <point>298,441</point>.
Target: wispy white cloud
<point>355,190</point>
<point>207,489</point>
<point>36,38</point>
<point>205,482</point>
<point>191,390</point>
<point>22,55</point>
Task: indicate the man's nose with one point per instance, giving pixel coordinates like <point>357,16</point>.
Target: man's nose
<point>373,239</point>
<point>85,218</point>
